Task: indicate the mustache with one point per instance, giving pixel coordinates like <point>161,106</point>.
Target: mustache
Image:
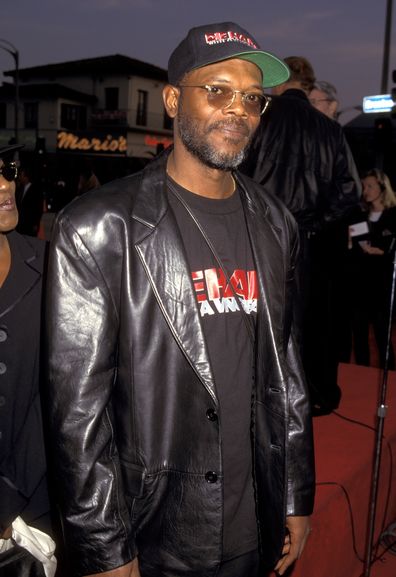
<point>240,125</point>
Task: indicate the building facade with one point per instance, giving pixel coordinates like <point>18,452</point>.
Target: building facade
<point>104,107</point>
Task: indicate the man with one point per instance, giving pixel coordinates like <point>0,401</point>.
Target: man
<point>30,203</point>
<point>302,157</point>
<point>323,97</point>
<point>179,419</point>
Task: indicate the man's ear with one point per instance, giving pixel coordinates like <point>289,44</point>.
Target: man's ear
<point>170,95</point>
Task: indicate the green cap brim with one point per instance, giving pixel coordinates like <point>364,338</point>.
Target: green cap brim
<point>274,70</point>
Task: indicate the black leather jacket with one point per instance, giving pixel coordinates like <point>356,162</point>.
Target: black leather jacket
<point>130,385</point>
<point>302,157</point>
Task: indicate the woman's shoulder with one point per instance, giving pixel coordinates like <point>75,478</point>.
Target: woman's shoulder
<point>32,242</point>
<point>30,248</point>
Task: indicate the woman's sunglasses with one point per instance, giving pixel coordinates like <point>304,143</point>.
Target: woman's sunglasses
<point>9,170</point>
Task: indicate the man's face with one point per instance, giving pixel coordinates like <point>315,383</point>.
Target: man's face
<point>322,102</point>
<point>218,137</point>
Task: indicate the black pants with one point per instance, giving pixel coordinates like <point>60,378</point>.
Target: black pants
<point>243,566</point>
<point>317,318</point>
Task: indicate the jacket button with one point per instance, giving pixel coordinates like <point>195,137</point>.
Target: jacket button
<point>2,401</point>
<point>211,415</point>
<point>211,477</point>
<point>3,368</point>
<point>3,335</point>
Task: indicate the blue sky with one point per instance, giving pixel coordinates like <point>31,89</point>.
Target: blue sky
<point>343,39</point>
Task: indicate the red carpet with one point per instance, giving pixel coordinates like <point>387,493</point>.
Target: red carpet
<point>344,459</point>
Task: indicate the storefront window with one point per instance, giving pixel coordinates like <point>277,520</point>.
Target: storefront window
<point>73,117</point>
<point>111,98</point>
<point>31,114</point>
<point>141,114</point>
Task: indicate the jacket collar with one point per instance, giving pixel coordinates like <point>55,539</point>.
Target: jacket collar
<point>151,202</point>
<point>295,93</point>
<point>161,252</point>
<point>265,239</point>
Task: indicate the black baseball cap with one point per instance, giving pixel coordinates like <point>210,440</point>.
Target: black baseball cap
<point>212,43</point>
<point>5,150</point>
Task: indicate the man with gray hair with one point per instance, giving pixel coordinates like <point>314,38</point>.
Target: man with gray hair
<point>323,97</point>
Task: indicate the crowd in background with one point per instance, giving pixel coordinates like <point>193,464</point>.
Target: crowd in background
<point>353,288</point>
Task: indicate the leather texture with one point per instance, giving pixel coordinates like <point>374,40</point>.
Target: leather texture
<point>130,384</point>
<point>303,156</point>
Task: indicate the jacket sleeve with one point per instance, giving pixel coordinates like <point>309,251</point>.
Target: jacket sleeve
<point>81,339</point>
<point>300,457</point>
<point>300,448</point>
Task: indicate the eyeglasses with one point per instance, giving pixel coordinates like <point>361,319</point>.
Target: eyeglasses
<point>222,97</point>
<point>9,170</point>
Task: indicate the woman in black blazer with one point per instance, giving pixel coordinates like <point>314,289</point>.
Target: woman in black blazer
<point>23,486</point>
<point>372,244</point>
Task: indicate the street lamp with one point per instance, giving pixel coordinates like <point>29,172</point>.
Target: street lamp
<point>10,48</point>
<point>387,39</point>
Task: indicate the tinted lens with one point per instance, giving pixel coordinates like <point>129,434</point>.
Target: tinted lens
<point>220,98</point>
<point>9,171</point>
<point>254,104</point>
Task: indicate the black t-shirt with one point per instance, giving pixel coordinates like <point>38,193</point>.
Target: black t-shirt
<point>229,346</point>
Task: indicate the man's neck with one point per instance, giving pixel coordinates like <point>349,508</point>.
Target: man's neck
<point>198,178</point>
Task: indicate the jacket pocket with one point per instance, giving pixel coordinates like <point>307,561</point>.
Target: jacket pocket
<point>133,477</point>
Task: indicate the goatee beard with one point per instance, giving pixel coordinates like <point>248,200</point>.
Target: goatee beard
<point>196,143</point>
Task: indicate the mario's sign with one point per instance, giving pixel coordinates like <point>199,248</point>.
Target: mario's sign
<point>98,143</point>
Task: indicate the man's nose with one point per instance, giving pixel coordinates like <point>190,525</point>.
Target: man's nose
<point>237,104</point>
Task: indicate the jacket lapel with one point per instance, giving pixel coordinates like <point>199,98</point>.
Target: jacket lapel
<point>162,254</point>
<point>270,264</point>
<point>24,275</point>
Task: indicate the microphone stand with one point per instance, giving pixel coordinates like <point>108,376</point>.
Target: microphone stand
<point>381,414</point>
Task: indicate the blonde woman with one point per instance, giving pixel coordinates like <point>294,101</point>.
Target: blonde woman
<point>372,240</point>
